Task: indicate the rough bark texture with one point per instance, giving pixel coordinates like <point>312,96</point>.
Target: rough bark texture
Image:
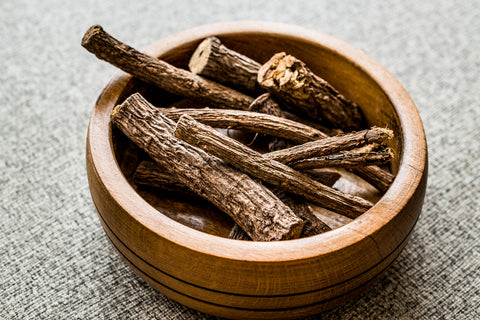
<point>270,171</point>
<point>217,62</point>
<point>376,176</point>
<point>151,174</point>
<point>184,83</point>
<point>296,86</point>
<point>213,60</point>
<point>331,145</point>
<point>251,205</point>
<point>292,130</point>
<point>252,121</point>
<point>312,225</point>
<point>265,104</point>
<point>295,131</point>
<point>152,70</point>
<point>343,160</point>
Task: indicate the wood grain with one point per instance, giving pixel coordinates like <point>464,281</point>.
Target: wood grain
<point>259,280</point>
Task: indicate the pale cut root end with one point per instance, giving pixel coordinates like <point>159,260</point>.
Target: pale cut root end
<point>385,131</point>
<point>200,56</point>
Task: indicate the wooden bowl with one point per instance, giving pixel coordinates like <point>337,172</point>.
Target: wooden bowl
<point>245,279</point>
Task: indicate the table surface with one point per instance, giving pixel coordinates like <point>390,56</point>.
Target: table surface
<point>56,260</point>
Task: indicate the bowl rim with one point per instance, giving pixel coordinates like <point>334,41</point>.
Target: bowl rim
<point>412,162</point>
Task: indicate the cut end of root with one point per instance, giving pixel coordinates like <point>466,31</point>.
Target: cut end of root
<point>387,132</point>
<point>264,77</point>
<point>281,70</point>
<point>132,99</point>
<point>390,152</point>
<point>295,230</point>
<point>115,112</point>
<point>90,34</point>
<point>200,57</point>
<point>379,135</point>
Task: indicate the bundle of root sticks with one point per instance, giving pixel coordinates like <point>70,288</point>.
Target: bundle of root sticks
<point>307,123</point>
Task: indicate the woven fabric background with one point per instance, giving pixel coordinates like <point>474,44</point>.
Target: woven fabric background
<point>56,262</point>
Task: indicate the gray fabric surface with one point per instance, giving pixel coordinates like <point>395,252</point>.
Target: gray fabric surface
<point>56,262</point>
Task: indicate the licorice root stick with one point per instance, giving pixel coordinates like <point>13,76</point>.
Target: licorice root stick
<point>299,89</point>
<point>252,121</point>
<point>160,73</point>
<point>331,145</point>
<point>270,171</point>
<point>343,160</point>
<point>212,59</point>
<point>250,204</point>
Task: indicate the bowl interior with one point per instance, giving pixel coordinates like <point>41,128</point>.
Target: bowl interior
<point>341,72</point>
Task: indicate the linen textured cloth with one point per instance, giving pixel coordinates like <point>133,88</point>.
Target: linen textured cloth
<point>56,261</point>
